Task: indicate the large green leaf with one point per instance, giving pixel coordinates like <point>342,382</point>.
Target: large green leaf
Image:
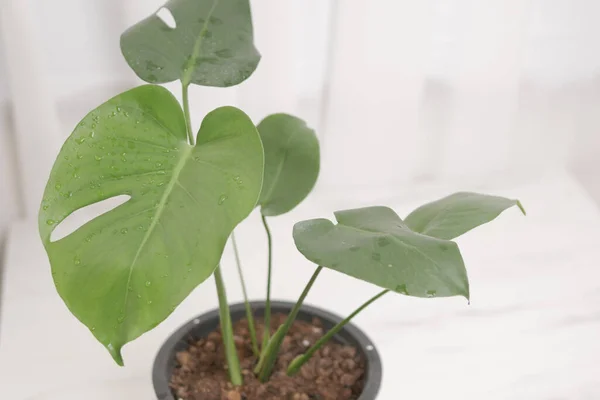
<point>456,214</point>
<point>211,44</point>
<point>373,244</point>
<point>291,163</point>
<point>123,272</point>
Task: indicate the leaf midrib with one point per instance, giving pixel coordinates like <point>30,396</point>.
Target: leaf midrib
<point>185,156</point>
<point>191,65</point>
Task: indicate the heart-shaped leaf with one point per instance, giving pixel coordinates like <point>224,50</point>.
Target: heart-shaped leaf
<point>456,214</point>
<point>123,272</point>
<point>211,44</point>
<point>374,245</point>
<point>291,163</point>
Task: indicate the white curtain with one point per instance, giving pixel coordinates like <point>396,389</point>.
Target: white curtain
<point>400,91</point>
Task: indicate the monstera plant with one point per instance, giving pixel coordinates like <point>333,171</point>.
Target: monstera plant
<point>125,271</point>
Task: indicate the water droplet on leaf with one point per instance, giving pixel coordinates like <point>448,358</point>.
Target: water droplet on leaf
<point>224,53</point>
<point>148,283</point>
<point>383,241</point>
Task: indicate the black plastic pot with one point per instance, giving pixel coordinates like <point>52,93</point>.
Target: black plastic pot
<point>206,323</point>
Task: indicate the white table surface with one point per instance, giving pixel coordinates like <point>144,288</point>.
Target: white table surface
<point>531,332</point>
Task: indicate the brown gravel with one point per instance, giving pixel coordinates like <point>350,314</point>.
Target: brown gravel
<point>335,372</point>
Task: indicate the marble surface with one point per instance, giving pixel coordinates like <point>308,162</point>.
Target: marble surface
<point>531,331</point>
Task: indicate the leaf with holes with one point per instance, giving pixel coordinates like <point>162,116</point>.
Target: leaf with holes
<point>124,272</point>
<point>291,163</point>
<point>210,44</point>
<point>456,214</point>
<point>374,245</point>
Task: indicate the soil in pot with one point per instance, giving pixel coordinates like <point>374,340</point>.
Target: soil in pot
<point>335,372</point>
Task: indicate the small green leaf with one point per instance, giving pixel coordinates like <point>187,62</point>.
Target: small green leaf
<point>291,163</point>
<point>374,245</point>
<point>456,214</point>
<point>210,45</point>
<point>125,271</point>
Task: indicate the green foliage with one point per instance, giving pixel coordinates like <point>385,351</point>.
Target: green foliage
<point>291,163</point>
<point>456,214</point>
<point>125,271</point>
<point>374,245</point>
<point>291,170</point>
<point>211,44</point>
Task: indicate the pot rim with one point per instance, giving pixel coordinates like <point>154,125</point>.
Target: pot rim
<point>350,332</point>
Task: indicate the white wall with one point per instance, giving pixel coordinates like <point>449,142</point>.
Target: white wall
<point>399,90</point>
<point>9,208</point>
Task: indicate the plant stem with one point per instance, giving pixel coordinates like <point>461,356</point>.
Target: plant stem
<point>226,325</point>
<point>267,317</point>
<point>227,332</point>
<point>295,365</point>
<point>249,315</point>
<point>269,355</point>
<point>186,113</point>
